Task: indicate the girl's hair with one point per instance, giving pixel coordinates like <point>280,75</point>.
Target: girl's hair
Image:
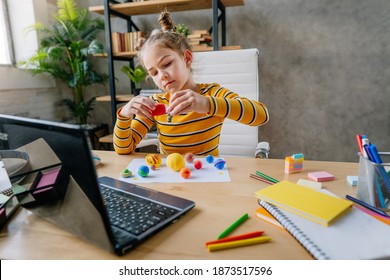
<point>167,37</point>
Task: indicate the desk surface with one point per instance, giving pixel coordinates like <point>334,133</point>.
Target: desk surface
<point>27,236</point>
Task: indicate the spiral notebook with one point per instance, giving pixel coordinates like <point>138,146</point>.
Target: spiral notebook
<point>356,235</point>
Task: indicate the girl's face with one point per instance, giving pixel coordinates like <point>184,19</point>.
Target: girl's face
<point>169,70</point>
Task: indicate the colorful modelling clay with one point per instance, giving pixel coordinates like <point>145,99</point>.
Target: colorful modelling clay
<point>153,159</point>
<point>198,164</point>
<point>293,164</point>
<point>175,161</point>
<point>189,157</point>
<point>153,167</point>
<point>185,172</point>
<point>143,171</point>
<point>126,173</point>
<point>209,159</point>
<point>219,164</point>
<point>159,110</point>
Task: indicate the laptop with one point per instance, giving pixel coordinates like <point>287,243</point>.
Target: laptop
<point>114,215</point>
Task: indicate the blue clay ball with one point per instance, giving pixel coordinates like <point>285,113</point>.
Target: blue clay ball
<point>220,164</point>
<point>143,171</point>
<point>209,158</point>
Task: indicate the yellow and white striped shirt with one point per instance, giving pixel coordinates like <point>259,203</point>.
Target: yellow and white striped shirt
<point>190,132</point>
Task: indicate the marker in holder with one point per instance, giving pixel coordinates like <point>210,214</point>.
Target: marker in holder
<point>373,185</point>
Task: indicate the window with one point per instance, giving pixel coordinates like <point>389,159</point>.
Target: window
<point>6,53</point>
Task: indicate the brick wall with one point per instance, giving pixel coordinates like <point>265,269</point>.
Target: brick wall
<point>41,103</point>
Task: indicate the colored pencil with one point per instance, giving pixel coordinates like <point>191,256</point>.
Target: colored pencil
<point>233,226</point>
<point>267,177</point>
<point>238,243</point>
<point>236,237</point>
<point>261,179</point>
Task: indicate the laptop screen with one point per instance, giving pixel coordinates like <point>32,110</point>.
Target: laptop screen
<point>67,141</point>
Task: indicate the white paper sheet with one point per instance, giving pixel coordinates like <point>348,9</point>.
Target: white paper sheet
<point>208,173</point>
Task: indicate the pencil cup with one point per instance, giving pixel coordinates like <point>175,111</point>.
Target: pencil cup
<point>374,181</point>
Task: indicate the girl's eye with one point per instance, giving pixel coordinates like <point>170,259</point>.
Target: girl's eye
<point>167,64</point>
<point>154,73</point>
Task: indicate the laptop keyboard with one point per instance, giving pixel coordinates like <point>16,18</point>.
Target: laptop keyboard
<point>132,213</point>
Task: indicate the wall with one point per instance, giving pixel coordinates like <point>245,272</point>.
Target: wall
<point>21,93</point>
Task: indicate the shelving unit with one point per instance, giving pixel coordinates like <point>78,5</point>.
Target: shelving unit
<point>128,9</point>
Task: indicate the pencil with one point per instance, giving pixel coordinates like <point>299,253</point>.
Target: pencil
<point>266,177</point>
<point>261,179</point>
<point>236,237</point>
<point>233,226</point>
<point>238,243</point>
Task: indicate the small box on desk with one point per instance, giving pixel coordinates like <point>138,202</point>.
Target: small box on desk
<point>41,186</point>
<point>374,181</point>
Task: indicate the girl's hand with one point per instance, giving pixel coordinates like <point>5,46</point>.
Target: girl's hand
<point>188,101</point>
<point>139,105</point>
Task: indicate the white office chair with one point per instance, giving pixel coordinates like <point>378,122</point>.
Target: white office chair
<point>236,70</point>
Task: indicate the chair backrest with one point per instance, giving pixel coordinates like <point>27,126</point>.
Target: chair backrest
<point>236,70</point>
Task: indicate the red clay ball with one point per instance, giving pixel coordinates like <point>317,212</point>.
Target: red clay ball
<point>198,164</point>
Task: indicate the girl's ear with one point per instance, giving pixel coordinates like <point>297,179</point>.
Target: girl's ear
<point>188,57</point>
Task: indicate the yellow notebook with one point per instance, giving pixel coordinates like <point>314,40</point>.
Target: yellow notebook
<point>313,205</point>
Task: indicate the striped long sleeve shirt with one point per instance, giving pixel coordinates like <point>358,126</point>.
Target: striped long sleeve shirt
<point>190,132</point>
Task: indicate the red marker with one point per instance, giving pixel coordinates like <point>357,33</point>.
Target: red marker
<point>236,237</point>
<point>359,141</point>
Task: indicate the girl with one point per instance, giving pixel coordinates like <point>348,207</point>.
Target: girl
<point>195,112</point>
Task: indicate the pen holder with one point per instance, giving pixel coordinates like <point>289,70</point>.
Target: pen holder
<point>374,181</point>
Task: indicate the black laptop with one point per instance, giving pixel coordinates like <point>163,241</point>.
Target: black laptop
<point>114,215</point>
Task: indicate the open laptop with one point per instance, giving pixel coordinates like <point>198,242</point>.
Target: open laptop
<point>114,215</point>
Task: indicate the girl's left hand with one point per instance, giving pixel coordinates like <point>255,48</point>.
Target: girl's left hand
<point>184,101</point>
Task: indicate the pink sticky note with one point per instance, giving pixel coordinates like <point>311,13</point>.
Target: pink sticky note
<point>321,176</point>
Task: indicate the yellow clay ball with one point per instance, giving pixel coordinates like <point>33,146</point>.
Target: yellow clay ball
<point>153,159</point>
<point>175,162</point>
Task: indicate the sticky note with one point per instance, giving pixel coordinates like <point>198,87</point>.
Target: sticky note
<point>320,176</point>
<point>352,180</point>
<point>309,184</point>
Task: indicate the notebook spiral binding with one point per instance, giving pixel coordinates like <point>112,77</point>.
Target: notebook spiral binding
<point>300,236</point>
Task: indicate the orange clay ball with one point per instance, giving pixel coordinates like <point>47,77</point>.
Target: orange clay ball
<point>153,159</point>
<point>175,161</point>
<point>185,172</point>
<point>189,157</point>
<point>198,164</point>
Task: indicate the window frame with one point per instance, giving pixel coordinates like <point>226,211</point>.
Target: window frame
<point>7,34</point>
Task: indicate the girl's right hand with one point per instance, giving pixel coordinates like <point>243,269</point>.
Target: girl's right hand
<point>139,105</point>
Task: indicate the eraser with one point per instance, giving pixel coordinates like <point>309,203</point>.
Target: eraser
<point>352,180</point>
<point>321,176</point>
<point>309,184</point>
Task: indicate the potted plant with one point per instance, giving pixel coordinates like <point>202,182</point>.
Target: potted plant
<point>65,51</point>
<point>136,75</point>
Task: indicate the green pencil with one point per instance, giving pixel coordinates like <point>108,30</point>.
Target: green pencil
<point>233,226</point>
<point>266,177</point>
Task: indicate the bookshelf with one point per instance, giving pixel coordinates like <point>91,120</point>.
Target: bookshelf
<point>125,11</point>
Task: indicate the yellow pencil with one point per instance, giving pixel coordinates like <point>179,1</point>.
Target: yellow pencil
<point>238,243</point>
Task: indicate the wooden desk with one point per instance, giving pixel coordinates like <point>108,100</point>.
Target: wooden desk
<point>27,236</point>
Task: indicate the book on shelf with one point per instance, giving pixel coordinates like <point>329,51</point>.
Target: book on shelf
<point>199,37</point>
<point>354,236</point>
<point>125,41</point>
<point>318,207</point>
